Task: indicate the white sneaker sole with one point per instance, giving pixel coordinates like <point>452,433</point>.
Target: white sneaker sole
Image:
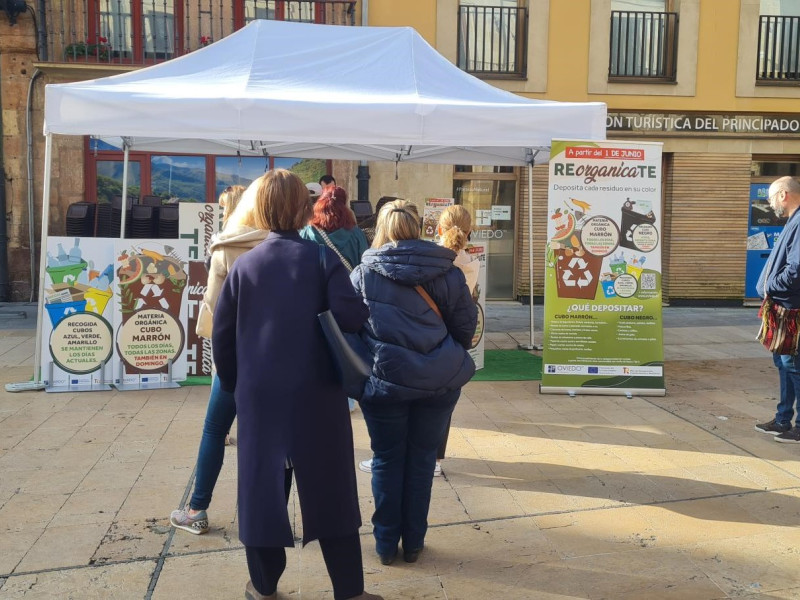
<point>194,530</point>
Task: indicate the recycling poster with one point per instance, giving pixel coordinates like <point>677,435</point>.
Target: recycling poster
<point>114,312</point>
<point>602,312</point>
<point>77,324</point>
<point>477,347</point>
<point>151,311</point>
<point>198,223</point>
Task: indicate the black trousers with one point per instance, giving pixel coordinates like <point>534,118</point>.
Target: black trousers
<point>342,559</point>
<point>443,446</point>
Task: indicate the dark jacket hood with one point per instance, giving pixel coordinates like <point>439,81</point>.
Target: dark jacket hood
<point>409,262</point>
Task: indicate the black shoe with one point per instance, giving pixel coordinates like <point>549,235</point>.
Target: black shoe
<point>411,556</point>
<point>789,437</point>
<point>387,559</point>
<point>773,427</point>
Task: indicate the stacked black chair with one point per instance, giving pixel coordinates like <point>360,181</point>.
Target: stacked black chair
<point>116,215</point>
<point>142,223</point>
<point>104,220</point>
<point>80,219</point>
<point>362,209</point>
<point>168,221</point>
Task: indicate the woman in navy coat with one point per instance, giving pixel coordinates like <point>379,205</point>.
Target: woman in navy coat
<point>270,352</point>
<point>420,354</point>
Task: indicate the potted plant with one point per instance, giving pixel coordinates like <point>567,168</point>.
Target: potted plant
<point>88,52</point>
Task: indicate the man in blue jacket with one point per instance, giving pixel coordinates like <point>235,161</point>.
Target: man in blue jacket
<point>780,280</point>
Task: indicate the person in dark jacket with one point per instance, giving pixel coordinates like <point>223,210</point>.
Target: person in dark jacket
<point>420,363</point>
<point>780,280</point>
<point>271,354</point>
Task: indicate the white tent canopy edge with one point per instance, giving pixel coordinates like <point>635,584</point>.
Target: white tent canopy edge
<point>293,89</point>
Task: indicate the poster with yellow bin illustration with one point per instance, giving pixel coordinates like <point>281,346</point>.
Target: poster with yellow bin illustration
<point>77,322</point>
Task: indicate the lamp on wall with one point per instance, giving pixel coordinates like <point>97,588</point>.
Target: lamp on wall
<point>13,8</point>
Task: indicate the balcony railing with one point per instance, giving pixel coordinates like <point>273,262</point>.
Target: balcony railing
<point>493,40</point>
<point>139,32</point>
<point>778,49</point>
<point>644,45</point>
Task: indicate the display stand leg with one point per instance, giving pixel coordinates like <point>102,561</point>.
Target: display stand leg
<point>75,387</point>
<point>145,385</point>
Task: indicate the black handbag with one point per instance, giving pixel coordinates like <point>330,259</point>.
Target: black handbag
<point>351,367</point>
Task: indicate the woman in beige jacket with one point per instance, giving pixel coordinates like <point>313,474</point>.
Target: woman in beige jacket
<point>239,235</point>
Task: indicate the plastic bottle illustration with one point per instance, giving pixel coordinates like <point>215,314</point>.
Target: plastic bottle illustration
<point>51,261</point>
<point>75,255</point>
<point>63,257</point>
<point>103,281</point>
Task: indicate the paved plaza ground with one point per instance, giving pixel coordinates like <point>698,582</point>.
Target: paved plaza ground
<point>543,497</point>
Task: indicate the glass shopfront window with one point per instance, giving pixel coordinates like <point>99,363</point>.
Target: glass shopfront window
<point>181,178</point>
<point>490,197</point>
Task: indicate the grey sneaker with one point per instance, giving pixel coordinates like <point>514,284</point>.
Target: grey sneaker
<point>182,520</point>
<point>366,466</point>
<point>772,428</point>
<point>789,437</point>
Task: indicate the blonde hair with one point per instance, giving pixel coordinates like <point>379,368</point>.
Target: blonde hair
<point>229,200</point>
<point>244,213</point>
<point>455,224</point>
<point>282,201</point>
<point>398,220</point>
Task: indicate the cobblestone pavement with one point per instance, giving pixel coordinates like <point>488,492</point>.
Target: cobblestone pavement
<point>543,496</point>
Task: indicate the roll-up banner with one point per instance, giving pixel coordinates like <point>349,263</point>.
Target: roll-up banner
<point>603,324</point>
<point>151,313</point>
<point>198,223</point>
<point>115,313</point>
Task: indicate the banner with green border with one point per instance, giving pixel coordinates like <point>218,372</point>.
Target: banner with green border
<point>602,313</point>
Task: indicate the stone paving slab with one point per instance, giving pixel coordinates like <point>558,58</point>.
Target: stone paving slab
<point>543,496</point>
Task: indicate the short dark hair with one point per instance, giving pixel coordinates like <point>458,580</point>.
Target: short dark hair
<point>327,180</point>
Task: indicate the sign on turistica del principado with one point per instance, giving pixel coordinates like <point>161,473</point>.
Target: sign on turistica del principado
<point>602,321</point>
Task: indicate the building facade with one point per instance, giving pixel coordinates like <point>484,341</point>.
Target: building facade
<point>716,81</point>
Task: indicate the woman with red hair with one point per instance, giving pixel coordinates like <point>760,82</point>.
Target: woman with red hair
<point>333,224</point>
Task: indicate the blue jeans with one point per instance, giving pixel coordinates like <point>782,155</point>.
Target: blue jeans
<point>219,417</point>
<point>789,374</point>
<point>404,438</point>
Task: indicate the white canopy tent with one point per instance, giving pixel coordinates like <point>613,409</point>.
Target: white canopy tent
<point>314,91</point>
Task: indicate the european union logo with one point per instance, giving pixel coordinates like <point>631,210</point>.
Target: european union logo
<point>593,370</point>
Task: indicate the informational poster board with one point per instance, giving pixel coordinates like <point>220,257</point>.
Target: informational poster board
<point>430,216</point>
<point>764,229</point>
<point>151,312</point>
<point>77,324</point>
<point>476,351</point>
<point>603,325</point>
<point>198,223</point>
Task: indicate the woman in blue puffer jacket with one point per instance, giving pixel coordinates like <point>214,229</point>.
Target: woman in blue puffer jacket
<point>421,362</point>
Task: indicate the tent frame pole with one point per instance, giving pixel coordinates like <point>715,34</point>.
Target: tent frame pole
<point>123,219</point>
<point>37,356</point>
<point>531,345</point>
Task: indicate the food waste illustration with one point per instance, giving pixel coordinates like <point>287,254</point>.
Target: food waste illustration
<point>152,279</point>
<point>591,250</point>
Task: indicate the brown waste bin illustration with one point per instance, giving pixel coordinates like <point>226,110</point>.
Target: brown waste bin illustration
<point>577,276</point>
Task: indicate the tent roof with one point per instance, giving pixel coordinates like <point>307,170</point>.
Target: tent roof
<point>318,91</point>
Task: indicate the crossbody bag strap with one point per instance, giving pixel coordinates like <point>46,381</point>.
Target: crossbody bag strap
<point>330,245</point>
<point>323,266</point>
<point>427,297</point>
